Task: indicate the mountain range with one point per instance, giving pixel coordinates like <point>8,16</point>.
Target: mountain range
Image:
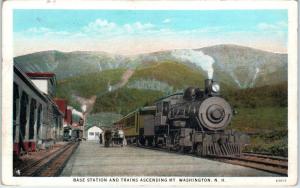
<point>239,66</point>
<point>123,83</point>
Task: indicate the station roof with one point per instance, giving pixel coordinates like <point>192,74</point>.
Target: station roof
<point>40,74</point>
<point>29,83</point>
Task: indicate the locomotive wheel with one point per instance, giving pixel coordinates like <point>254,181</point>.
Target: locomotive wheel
<point>199,149</point>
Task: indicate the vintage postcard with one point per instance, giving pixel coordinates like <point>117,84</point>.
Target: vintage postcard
<point>149,93</point>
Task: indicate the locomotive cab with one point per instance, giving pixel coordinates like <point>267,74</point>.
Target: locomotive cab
<point>162,109</point>
<point>161,117</point>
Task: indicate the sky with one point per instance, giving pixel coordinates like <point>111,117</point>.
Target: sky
<point>130,32</point>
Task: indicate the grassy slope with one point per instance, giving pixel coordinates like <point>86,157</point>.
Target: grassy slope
<point>266,126</point>
<point>261,119</point>
<point>262,113</point>
<point>88,85</point>
<point>175,74</point>
<point>270,95</point>
<point>274,142</point>
<point>125,100</point>
<point>102,119</point>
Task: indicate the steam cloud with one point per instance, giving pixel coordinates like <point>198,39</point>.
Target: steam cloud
<point>83,107</point>
<point>74,111</point>
<point>77,113</point>
<point>86,104</point>
<point>196,57</point>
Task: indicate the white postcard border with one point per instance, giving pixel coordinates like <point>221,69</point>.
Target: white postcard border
<point>7,77</point>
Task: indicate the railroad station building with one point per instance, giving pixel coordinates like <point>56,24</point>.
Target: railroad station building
<point>93,133</point>
<point>36,117</point>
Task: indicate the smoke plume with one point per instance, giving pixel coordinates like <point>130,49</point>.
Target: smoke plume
<point>196,57</point>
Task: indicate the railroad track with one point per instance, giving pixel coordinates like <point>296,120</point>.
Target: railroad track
<point>273,164</point>
<point>50,165</point>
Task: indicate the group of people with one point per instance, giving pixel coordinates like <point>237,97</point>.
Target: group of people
<point>113,137</point>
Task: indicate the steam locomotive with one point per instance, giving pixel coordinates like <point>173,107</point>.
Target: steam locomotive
<point>194,121</point>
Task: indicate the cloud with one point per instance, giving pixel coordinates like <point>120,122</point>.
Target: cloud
<point>139,37</point>
<point>38,30</point>
<point>106,29</point>
<point>166,20</point>
<point>137,26</point>
<point>272,26</point>
<point>99,26</point>
<point>43,31</point>
<point>266,26</point>
<point>202,30</point>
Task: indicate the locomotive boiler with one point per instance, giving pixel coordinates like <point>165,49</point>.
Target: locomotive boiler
<point>202,110</point>
<point>195,121</point>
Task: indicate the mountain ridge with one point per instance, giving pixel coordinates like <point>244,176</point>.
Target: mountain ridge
<point>153,52</point>
<point>240,66</point>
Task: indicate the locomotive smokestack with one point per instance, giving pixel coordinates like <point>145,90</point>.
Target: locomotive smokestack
<point>208,86</point>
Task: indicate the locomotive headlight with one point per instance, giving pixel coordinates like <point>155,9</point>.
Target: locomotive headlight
<point>215,87</point>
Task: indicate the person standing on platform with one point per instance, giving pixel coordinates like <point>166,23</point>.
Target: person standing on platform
<point>100,138</point>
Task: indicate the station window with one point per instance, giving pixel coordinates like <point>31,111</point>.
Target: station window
<point>97,133</point>
<point>15,108</point>
<point>131,121</point>
<point>39,119</point>
<point>23,114</point>
<point>32,118</point>
<point>16,98</point>
<point>91,133</point>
